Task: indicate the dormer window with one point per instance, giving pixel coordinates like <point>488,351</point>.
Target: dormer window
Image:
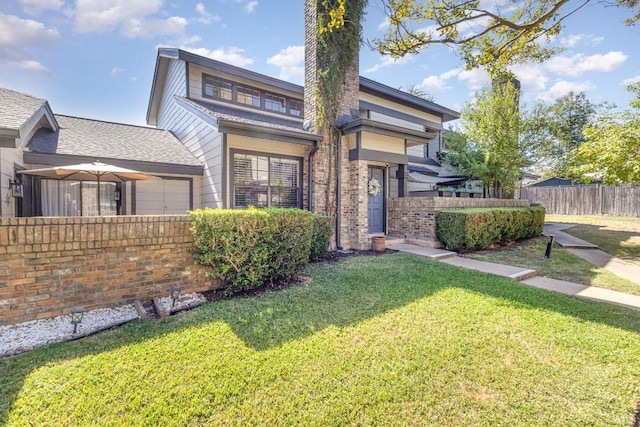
<point>274,103</point>
<point>216,88</point>
<point>229,91</point>
<point>248,96</point>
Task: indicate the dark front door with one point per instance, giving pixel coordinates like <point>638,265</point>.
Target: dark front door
<point>375,207</point>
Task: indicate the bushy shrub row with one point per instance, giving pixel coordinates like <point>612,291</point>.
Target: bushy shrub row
<point>247,248</point>
<point>479,228</point>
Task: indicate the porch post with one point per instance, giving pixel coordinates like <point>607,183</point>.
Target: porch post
<point>401,175</point>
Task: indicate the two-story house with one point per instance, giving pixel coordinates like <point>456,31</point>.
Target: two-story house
<point>249,132</point>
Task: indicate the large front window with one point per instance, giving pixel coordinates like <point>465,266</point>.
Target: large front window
<point>77,198</point>
<point>262,180</point>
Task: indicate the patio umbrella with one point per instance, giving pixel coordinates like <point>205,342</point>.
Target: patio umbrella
<point>96,171</point>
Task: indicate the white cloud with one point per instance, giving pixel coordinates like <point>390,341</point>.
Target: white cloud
<point>475,79</point>
<point>563,87</point>
<point>205,17</point>
<point>133,18</point>
<point>580,63</point>
<point>18,37</point>
<point>439,82</point>
<point>631,80</point>
<point>387,61</point>
<point>250,6</point>
<point>35,7</point>
<point>384,24</point>
<point>291,62</point>
<point>116,71</point>
<point>149,28</point>
<point>30,65</point>
<point>571,40</point>
<point>231,55</point>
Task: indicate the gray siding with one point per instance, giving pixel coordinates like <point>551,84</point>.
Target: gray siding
<point>200,137</point>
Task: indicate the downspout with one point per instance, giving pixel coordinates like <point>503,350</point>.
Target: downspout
<point>315,148</point>
<point>338,189</point>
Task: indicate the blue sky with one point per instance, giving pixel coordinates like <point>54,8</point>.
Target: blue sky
<point>95,58</point>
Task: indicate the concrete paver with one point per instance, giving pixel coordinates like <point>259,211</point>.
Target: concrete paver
<point>526,276</point>
<point>615,265</point>
<point>561,286</point>
<point>563,239</point>
<point>516,273</point>
<point>431,253</point>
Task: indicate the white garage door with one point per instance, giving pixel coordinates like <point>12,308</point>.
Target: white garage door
<point>162,197</point>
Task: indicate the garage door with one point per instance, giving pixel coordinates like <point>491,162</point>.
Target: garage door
<point>162,197</point>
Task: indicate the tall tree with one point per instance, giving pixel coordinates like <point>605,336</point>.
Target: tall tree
<point>492,151</point>
<point>612,146</point>
<point>554,130</point>
<point>492,35</point>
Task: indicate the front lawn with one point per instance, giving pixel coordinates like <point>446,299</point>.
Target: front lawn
<point>562,265</point>
<point>388,340</point>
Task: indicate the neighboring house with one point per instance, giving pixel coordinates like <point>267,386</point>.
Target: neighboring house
<point>249,131</point>
<point>34,137</point>
<point>550,182</point>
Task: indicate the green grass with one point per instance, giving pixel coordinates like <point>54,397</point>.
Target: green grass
<point>611,222</point>
<point>389,340</point>
<point>563,265</point>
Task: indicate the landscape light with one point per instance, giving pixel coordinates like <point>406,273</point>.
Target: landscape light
<point>175,294</point>
<point>76,317</point>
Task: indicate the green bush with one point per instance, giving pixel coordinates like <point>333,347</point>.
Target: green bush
<point>247,248</point>
<point>479,228</point>
<point>321,236</point>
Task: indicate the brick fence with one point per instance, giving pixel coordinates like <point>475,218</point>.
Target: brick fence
<point>48,265</point>
<point>414,218</point>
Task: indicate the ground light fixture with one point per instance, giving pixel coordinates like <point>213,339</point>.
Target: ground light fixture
<point>175,294</point>
<point>76,317</point>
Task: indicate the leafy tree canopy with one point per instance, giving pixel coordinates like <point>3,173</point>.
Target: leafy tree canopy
<point>553,131</point>
<point>492,35</point>
<point>611,149</point>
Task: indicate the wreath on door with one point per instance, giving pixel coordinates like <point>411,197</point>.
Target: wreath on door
<point>374,187</point>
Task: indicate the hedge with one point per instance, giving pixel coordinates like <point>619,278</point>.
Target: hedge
<point>479,228</point>
<point>321,236</point>
<point>247,248</point>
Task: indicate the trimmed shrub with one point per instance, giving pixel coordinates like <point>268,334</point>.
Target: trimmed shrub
<point>479,228</point>
<point>321,236</point>
<point>247,248</point>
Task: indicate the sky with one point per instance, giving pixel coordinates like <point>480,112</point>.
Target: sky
<point>96,58</point>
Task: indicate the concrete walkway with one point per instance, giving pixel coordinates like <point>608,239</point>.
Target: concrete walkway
<point>526,276</point>
<point>592,253</point>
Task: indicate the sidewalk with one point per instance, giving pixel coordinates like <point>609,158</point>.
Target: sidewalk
<point>523,275</point>
<point>592,253</point>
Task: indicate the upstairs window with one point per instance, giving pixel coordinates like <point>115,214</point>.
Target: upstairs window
<point>274,103</point>
<point>295,107</point>
<point>229,91</point>
<point>248,96</point>
<point>216,88</point>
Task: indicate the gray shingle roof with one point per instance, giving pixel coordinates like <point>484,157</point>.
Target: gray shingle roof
<point>86,137</point>
<point>243,116</point>
<point>16,108</point>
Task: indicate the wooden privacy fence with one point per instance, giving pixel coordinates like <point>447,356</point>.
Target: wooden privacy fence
<point>620,200</point>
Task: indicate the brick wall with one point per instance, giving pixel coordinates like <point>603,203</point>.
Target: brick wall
<point>48,265</point>
<point>414,218</point>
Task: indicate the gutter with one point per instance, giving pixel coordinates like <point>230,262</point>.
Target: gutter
<point>315,148</point>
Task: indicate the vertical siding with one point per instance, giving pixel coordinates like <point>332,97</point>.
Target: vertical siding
<point>202,139</point>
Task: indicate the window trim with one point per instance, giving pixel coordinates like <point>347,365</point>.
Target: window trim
<point>232,183</point>
<point>209,79</point>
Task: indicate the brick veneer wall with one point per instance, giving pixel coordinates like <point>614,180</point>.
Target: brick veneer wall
<point>415,218</point>
<point>48,265</point>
